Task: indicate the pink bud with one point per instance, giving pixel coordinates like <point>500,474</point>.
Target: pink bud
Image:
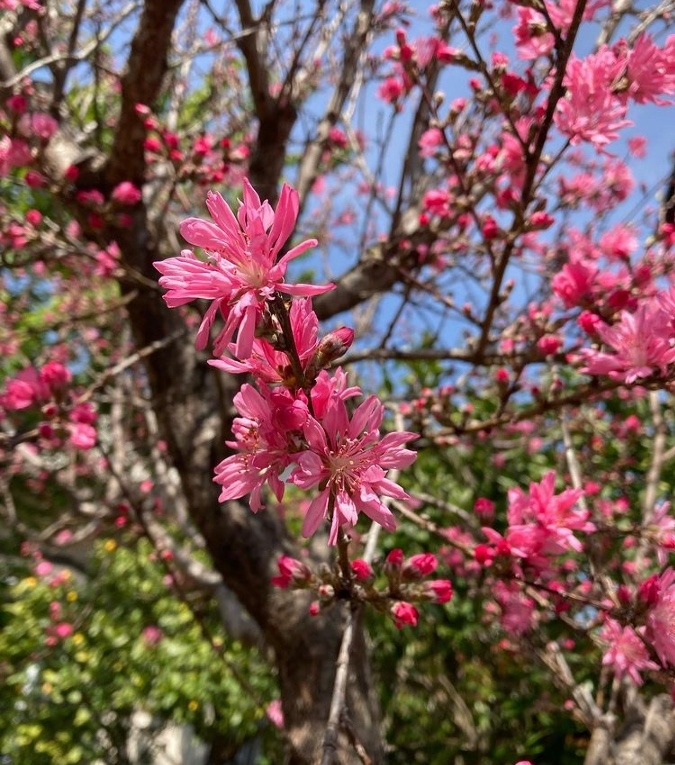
<point>126,193</point>
<point>438,590</point>
<point>331,347</point>
<point>35,180</point>
<point>291,572</point>
<point>395,557</point>
<point>404,614</point>
<point>420,565</point>
<point>362,570</point>
<point>649,590</point>
<point>484,507</point>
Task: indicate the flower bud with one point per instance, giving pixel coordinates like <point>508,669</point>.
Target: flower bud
<point>404,614</point>
<point>362,570</point>
<point>438,590</point>
<point>332,346</point>
<point>291,572</point>
<point>419,565</point>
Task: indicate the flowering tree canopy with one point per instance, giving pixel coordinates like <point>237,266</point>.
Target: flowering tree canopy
<point>338,353</point>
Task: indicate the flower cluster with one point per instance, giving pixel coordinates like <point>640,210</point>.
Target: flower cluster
<point>639,343</point>
<point>294,424</point>
<point>541,524</point>
<point>406,583</point>
<point>48,391</point>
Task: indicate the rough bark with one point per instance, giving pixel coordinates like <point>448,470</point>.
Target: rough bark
<point>644,736</point>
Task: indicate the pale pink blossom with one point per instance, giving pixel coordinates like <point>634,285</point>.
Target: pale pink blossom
<point>243,271</point>
<point>349,460</point>
<point>627,653</point>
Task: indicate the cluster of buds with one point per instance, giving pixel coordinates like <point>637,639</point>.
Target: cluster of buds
<point>391,588</point>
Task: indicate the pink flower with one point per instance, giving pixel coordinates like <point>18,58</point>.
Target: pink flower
<point>275,713</point>
<point>349,461</point>
<point>24,390</point>
<point>405,614</point>
<point>242,272</point>
<point>542,523</point>
<point>362,570</point>
<point>591,111</point>
<point>13,153</point>
<point>531,34</point>
<point>82,436</point>
<point>517,609</point>
<point>263,452</point>
<point>391,90</point>
<point>39,124</point>
<point>126,193</point>
<point>661,617</point>
<point>484,507</point>
<point>641,344</point>
<point>420,565</point>
<point>55,375</point>
<point>44,568</point>
<point>627,653</point>
<point>152,636</point>
<point>270,364</point>
<point>63,630</point>
<point>431,139</point>
<point>650,70</point>
<point>574,282</point>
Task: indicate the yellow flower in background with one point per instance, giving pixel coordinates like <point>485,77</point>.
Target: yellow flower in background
<point>110,545</point>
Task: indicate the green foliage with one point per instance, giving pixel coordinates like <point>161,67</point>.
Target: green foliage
<point>134,647</point>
